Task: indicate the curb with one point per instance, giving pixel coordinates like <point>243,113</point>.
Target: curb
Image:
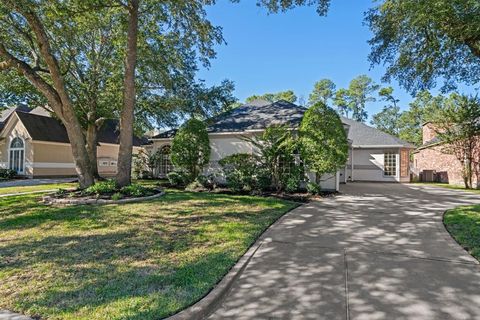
<point>208,304</point>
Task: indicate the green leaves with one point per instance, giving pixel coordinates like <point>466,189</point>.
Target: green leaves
<point>323,140</point>
<point>191,147</point>
<point>288,95</point>
<point>422,41</point>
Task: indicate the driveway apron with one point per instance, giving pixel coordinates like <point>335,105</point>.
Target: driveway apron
<point>377,251</point>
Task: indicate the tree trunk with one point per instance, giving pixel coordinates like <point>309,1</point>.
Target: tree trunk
<point>124,168</point>
<point>92,142</point>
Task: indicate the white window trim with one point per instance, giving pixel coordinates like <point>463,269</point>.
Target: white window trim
<point>16,149</point>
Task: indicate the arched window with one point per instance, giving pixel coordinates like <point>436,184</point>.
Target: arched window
<point>17,155</point>
<point>165,165</point>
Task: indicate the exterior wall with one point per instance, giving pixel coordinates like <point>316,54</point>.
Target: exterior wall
<point>55,159</point>
<point>223,145</point>
<point>428,132</point>
<point>16,130</point>
<point>448,168</point>
<point>368,165</point>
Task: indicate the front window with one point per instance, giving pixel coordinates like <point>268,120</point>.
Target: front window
<point>390,164</point>
<point>165,165</point>
<point>17,155</point>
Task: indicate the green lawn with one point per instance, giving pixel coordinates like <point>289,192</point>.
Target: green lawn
<point>132,261</point>
<point>43,187</point>
<point>464,225</point>
<point>449,186</point>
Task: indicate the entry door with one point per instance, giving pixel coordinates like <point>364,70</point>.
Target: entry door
<point>17,161</point>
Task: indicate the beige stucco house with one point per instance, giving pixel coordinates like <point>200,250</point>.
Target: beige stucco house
<point>36,145</point>
<point>373,156</point>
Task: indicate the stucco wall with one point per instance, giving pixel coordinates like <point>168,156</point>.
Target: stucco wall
<point>368,165</point>
<point>16,130</point>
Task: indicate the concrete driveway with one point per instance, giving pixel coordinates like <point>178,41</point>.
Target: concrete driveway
<point>378,251</point>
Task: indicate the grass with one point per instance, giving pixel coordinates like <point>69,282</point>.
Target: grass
<point>132,261</point>
<point>39,188</point>
<point>464,225</point>
<point>450,186</point>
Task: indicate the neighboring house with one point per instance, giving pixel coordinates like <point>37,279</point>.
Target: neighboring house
<point>432,164</point>
<point>373,156</point>
<point>36,145</point>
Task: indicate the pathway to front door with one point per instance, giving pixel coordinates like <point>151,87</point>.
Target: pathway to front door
<point>378,251</point>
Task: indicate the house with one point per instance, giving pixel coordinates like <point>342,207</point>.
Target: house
<point>373,155</point>
<point>35,144</point>
<point>432,164</point>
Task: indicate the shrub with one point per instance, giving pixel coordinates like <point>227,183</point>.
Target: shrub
<point>178,178</point>
<point>191,148</point>
<point>293,179</point>
<point>292,185</point>
<point>209,181</point>
<point>7,174</point>
<point>323,140</point>
<point>243,173</point>
<point>195,186</point>
<point>314,188</point>
<point>100,188</point>
<point>117,196</point>
<point>136,190</point>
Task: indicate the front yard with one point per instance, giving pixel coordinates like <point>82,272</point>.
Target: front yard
<point>37,188</point>
<point>135,261</point>
<point>464,225</point>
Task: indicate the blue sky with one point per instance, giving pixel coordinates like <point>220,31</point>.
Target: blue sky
<point>292,50</point>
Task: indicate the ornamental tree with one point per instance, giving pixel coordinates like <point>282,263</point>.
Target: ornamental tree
<point>323,140</point>
<point>191,148</point>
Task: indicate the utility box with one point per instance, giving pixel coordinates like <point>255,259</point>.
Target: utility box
<point>428,175</point>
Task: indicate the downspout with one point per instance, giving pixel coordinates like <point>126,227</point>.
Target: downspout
<point>352,167</point>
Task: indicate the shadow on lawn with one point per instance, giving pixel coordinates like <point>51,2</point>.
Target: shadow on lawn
<point>157,252</point>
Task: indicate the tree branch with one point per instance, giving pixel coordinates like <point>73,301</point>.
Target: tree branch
<point>32,76</point>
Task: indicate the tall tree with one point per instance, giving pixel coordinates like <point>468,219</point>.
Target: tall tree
<point>341,101</point>
<point>458,128</point>
<point>360,93</point>
<point>323,91</point>
<point>287,95</point>
<point>387,120</point>
<point>26,46</point>
<point>421,109</point>
<point>422,41</point>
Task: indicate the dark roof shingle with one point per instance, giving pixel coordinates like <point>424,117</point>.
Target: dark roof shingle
<point>49,129</point>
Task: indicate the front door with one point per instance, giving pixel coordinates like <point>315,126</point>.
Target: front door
<point>17,156</point>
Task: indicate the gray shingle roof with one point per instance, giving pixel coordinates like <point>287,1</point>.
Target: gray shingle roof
<point>262,114</point>
<point>363,135</point>
<point>44,128</point>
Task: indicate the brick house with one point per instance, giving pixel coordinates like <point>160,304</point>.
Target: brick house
<point>429,159</point>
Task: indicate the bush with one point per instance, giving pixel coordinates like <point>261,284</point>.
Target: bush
<point>208,181</point>
<point>243,173</point>
<point>117,196</point>
<point>101,188</point>
<point>178,178</point>
<point>292,185</point>
<point>7,174</point>
<point>136,190</point>
<point>196,186</point>
<point>314,188</point>
<point>191,148</point>
<point>293,179</point>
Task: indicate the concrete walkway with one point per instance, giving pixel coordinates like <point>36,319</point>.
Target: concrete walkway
<point>34,182</point>
<point>378,251</point>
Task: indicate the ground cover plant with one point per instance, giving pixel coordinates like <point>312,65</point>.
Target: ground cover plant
<point>463,223</point>
<point>133,261</point>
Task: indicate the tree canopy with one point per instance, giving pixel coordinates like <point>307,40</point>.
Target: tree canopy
<point>323,91</point>
<point>287,95</point>
<point>422,41</point>
<point>191,148</point>
<point>323,140</point>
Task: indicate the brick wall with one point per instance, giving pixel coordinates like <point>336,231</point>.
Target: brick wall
<point>428,132</point>
<point>448,168</point>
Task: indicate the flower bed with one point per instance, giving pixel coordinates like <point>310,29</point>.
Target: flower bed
<point>105,192</point>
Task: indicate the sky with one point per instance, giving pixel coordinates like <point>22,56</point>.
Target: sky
<point>292,50</point>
